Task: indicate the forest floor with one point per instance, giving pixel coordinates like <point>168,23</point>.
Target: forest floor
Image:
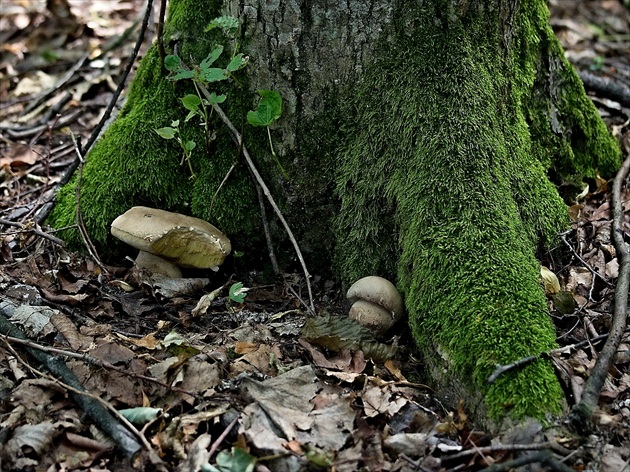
<point>235,382</point>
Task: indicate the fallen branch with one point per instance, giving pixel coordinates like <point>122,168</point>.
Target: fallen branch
<point>544,458</point>
<point>123,438</point>
<point>606,87</point>
<point>98,363</point>
<point>583,411</point>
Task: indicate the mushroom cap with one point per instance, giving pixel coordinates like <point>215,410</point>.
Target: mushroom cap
<point>379,291</point>
<point>372,316</point>
<point>183,240</point>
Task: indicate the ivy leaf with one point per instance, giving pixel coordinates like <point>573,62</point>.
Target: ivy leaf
<point>238,292</point>
<point>191,102</point>
<point>166,132</point>
<point>189,145</point>
<point>269,109</point>
<point>213,74</point>
<point>213,56</point>
<point>238,62</point>
<point>172,62</point>
<point>228,24</point>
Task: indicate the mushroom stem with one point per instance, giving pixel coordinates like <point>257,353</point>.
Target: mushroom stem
<point>156,265</point>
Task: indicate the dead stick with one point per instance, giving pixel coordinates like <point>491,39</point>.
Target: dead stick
<point>593,387</point>
<point>239,142</point>
<point>123,438</point>
<point>98,363</point>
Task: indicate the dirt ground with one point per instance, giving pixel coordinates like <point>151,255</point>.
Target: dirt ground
<point>231,372</point>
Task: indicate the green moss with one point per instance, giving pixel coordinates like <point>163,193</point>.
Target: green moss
<point>132,165</point>
<point>444,182</point>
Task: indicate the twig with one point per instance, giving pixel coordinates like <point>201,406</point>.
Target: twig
<point>500,448</point>
<point>36,231</point>
<point>121,84</point>
<point>543,457</point>
<point>501,369</point>
<point>79,217</point>
<point>160,33</point>
<point>563,236</point>
<point>236,136</point>
<point>263,215</point>
<point>223,435</point>
<point>98,363</point>
<point>593,387</point>
<point>47,208</point>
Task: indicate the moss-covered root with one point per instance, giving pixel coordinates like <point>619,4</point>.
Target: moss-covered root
<point>131,165</point>
<point>442,154</point>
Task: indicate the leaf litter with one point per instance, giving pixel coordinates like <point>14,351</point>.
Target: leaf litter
<point>209,380</point>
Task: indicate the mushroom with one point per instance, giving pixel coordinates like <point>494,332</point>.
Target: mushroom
<point>168,240</point>
<point>375,303</point>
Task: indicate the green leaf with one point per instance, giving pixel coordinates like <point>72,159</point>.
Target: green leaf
<point>190,115</point>
<point>175,124</point>
<point>212,56</point>
<point>166,132</point>
<point>183,74</point>
<point>172,62</point>
<point>216,99</point>
<point>191,102</point>
<point>228,24</point>
<point>141,415</point>
<point>236,460</point>
<point>238,292</point>
<point>213,74</point>
<point>238,62</point>
<point>269,109</point>
<point>189,145</point>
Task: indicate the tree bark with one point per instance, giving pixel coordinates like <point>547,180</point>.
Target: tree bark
<point>420,138</point>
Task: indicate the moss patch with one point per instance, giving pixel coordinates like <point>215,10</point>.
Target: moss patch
<point>132,165</point>
<point>444,183</point>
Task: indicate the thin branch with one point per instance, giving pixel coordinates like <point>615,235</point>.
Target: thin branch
<point>543,457</point>
<point>593,387</point>
<point>160,33</point>
<point>35,230</point>
<point>98,363</point>
<point>95,410</point>
<point>502,369</point>
<point>121,83</point>
<point>563,236</point>
<point>236,136</point>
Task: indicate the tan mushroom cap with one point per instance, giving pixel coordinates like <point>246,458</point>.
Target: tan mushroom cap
<point>180,239</point>
<point>379,291</point>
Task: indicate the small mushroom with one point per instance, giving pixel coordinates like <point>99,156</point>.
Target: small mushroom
<point>375,303</point>
<point>168,240</point>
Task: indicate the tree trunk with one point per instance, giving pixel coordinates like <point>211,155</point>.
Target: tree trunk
<point>420,139</point>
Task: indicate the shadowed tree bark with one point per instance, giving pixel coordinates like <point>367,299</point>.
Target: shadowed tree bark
<point>421,140</point>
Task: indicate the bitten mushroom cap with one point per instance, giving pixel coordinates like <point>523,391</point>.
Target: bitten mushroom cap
<point>379,291</point>
<point>183,240</point>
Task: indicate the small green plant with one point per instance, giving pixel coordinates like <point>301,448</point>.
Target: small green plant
<point>238,292</point>
<point>206,75</point>
<point>269,109</point>
<point>172,132</point>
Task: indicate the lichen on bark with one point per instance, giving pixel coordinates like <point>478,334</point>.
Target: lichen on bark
<point>444,183</point>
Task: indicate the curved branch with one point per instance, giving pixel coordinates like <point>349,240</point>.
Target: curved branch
<point>585,408</point>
